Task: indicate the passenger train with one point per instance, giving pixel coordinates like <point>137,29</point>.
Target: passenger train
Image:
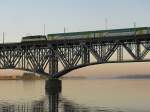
<point>89,34</point>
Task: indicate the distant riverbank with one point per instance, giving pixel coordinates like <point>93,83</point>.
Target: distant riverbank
<point>133,77</point>
<point>25,76</point>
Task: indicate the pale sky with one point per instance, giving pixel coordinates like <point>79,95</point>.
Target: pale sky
<point>27,17</point>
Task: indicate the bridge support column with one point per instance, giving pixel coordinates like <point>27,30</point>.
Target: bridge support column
<point>85,54</point>
<point>53,89</point>
<point>53,86</point>
<point>120,53</point>
<point>53,61</point>
<point>138,51</point>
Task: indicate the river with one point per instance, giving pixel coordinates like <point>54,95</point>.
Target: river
<point>77,95</point>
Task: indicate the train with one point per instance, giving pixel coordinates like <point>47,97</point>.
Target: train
<point>89,34</point>
<point>34,38</point>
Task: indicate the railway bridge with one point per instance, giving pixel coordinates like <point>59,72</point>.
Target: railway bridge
<point>55,58</point>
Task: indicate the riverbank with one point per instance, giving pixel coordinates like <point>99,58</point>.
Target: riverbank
<point>25,76</point>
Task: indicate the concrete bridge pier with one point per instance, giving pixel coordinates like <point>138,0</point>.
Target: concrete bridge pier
<point>53,90</point>
<point>53,86</point>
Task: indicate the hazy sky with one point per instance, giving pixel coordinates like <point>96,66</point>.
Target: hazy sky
<point>27,17</point>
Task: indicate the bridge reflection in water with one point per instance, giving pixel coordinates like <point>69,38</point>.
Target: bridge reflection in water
<point>52,102</point>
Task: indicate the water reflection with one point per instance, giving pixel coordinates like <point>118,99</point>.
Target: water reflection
<point>53,90</point>
<point>52,102</point>
<point>80,95</point>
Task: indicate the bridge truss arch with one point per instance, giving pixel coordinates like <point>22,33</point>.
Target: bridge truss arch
<point>58,57</point>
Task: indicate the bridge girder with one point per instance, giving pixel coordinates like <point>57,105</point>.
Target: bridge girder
<point>47,57</point>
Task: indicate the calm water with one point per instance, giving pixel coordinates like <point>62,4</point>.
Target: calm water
<point>80,95</point>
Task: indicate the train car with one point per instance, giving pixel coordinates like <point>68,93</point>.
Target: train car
<point>33,38</point>
<point>72,35</point>
<point>100,33</point>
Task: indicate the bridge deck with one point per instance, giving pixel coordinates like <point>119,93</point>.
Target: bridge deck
<point>131,38</point>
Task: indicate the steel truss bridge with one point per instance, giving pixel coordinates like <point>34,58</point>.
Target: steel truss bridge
<point>58,57</point>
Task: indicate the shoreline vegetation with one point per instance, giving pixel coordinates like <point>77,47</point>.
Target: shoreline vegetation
<point>25,76</point>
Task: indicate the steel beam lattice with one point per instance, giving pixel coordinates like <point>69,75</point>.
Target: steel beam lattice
<point>46,57</point>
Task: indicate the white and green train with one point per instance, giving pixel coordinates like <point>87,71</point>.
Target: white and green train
<point>90,34</point>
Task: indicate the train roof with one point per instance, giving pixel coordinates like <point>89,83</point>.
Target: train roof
<point>84,32</point>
